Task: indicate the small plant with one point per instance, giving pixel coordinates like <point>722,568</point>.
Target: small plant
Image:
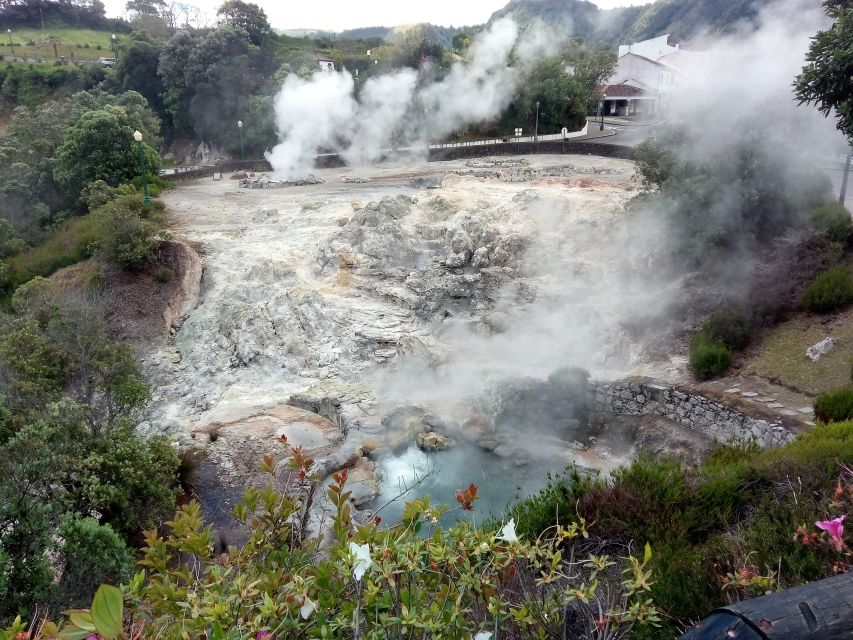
<point>831,290</point>
<point>86,46</point>
<point>835,406</point>
<point>213,436</point>
<point>164,275</point>
<point>730,325</point>
<point>709,357</point>
<point>835,221</point>
<point>189,460</point>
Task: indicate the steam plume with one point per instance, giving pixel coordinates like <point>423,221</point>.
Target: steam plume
<point>323,114</point>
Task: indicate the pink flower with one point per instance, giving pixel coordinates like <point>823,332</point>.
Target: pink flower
<point>834,527</point>
<point>264,635</point>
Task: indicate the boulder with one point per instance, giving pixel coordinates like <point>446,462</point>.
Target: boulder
<point>816,351</point>
<point>433,441</point>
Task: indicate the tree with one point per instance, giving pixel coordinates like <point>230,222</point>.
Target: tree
<point>460,43</point>
<point>100,146</point>
<point>137,70</point>
<point>146,7</point>
<point>172,69</point>
<point>247,16</point>
<point>825,79</point>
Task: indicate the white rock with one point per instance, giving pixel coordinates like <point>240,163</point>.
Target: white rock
<point>823,347</point>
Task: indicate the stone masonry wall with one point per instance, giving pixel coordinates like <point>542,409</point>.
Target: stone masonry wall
<point>643,397</point>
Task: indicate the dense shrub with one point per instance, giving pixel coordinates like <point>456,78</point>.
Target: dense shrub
<point>91,554</point>
<point>709,357</point>
<point>835,221</point>
<point>831,290</point>
<point>129,233</point>
<point>719,531</point>
<point>835,406</point>
<point>730,325</point>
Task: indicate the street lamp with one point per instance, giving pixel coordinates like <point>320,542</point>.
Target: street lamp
<point>536,132</point>
<point>11,44</point>
<point>146,199</point>
<point>242,148</point>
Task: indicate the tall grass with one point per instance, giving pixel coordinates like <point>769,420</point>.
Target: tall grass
<point>69,243</point>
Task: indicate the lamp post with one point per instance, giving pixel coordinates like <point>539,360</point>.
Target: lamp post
<point>843,196</point>
<point>11,44</point>
<point>242,148</point>
<point>146,199</point>
<point>536,131</point>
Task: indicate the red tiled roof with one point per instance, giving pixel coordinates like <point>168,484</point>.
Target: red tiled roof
<point>621,90</point>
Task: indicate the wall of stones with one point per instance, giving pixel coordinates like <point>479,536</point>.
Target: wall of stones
<point>645,397</point>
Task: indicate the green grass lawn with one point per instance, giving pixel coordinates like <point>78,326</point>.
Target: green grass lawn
<point>782,354</point>
<point>71,43</point>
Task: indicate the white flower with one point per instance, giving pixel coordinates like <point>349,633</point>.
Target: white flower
<point>483,635</point>
<point>484,547</point>
<point>307,607</point>
<point>507,534</point>
<point>362,559</point>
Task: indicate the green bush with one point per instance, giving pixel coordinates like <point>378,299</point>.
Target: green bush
<point>835,406</point>
<point>730,325</point>
<point>164,275</point>
<point>709,357</point>
<point>91,555</point>
<point>737,511</point>
<point>835,221</point>
<point>129,233</point>
<point>831,290</point>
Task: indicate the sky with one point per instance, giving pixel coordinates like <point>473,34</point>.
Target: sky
<point>336,15</point>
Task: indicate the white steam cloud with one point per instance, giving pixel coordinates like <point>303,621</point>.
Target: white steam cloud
<point>605,291</point>
<point>322,114</point>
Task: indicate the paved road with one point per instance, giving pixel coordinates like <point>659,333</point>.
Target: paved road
<point>628,134</point>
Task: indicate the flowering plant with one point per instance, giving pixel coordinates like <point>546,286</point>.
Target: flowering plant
<point>365,579</point>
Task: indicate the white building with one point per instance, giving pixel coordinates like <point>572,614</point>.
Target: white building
<point>646,74</point>
<point>326,64</point>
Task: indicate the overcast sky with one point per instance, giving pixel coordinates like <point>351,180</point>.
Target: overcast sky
<point>346,14</point>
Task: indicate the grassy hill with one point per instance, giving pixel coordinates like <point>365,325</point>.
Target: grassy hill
<point>684,19</point>
<point>71,43</point>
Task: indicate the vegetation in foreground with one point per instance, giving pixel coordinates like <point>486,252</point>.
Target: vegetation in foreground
<point>740,525</point>
<point>569,560</point>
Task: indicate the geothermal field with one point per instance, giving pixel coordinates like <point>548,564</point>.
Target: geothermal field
<point>435,324</point>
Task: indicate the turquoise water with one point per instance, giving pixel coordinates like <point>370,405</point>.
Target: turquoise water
<point>500,481</point>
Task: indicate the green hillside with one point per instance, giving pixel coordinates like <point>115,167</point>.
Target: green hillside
<point>684,19</point>
<point>71,43</point>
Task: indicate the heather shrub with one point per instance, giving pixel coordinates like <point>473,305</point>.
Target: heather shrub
<point>91,554</point>
<point>730,325</point>
<point>834,220</point>
<point>709,357</point>
<point>835,406</point>
<point>830,291</point>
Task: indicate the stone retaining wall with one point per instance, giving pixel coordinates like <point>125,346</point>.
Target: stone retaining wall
<point>644,397</point>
